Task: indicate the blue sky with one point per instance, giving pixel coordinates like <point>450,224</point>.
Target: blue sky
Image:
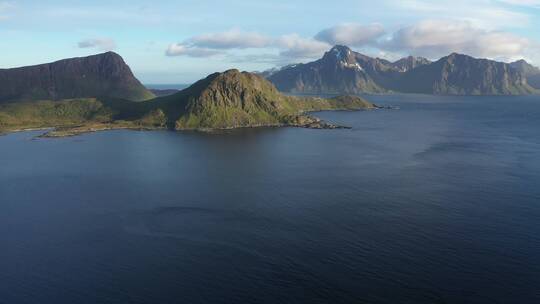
<point>182,41</point>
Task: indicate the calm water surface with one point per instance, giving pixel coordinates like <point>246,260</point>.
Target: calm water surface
<point>438,202</point>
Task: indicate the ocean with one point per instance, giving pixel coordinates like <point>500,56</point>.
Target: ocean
<point>436,202</point>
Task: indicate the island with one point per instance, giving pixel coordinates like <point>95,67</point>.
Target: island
<point>227,100</point>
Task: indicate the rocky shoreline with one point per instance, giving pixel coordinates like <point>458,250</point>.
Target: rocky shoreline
<point>296,121</point>
<point>63,131</point>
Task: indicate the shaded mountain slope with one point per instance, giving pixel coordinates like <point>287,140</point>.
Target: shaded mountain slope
<point>104,75</point>
<point>342,71</point>
<point>459,74</point>
<point>531,72</point>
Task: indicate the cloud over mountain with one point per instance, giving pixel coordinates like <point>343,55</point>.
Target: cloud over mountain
<point>210,44</point>
<point>429,38</point>
<point>351,34</point>
<point>435,38</point>
<point>294,46</point>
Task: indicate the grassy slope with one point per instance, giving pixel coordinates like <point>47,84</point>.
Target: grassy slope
<point>76,113</point>
<point>233,99</point>
<point>221,101</point>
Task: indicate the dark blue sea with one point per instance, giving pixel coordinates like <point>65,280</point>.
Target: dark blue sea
<point>437,202</point>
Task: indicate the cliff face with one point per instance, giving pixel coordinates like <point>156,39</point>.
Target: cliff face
<point>339,71</point>
<point>343,71</point>
<point>531,72</point>
<point>103,75</point>
<point>459,74</point>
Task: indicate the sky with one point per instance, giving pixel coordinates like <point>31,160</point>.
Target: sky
<point>173,42</point>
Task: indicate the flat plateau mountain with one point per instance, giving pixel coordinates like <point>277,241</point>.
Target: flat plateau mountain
<point>104,75</point>
<point>227,100</point>
<point>342,70</point>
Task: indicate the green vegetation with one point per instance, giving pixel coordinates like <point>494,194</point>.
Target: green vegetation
<point>233,99</point>
<point>87,113</point>
<point>221,101</point>
<point>42,114</point>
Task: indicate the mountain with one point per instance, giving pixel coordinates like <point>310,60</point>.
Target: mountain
<point>531,72</point>
<point>342,70</point>
<point>231,99</point>
<point>103,75</point>
<point>459,74</point>
<point>409,63</point>
<point>240,99</point>
<point>339,71</point>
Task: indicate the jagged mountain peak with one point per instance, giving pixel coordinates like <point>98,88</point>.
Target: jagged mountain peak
<point>340,53</point>
<point>525,68</point>
<point>342,70</point>
<point>340,49</point>
<point>456,56</point>
<point>410,62</point>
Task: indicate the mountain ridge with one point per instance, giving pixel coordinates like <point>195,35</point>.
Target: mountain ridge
<point>342,70</point>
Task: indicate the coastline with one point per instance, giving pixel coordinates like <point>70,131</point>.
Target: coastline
<point>61,132</point>
<point>309,122</point>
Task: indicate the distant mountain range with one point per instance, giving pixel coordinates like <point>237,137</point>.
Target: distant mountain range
<point>103,75</point>
<point>100,93</point>
<point>342,70</point>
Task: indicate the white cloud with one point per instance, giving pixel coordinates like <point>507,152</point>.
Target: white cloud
<point>290,46</point>
<point>428,38</point>
<point>488,14</point>
<point>179,49</point>
<point>297,47</point>
<point>351,34</point>
<point>231,39</point>
<point>436,38</point>
<point>103,44</point>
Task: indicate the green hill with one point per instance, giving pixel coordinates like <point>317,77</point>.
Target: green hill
<point>226,100</point>
<point>236,99</point>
